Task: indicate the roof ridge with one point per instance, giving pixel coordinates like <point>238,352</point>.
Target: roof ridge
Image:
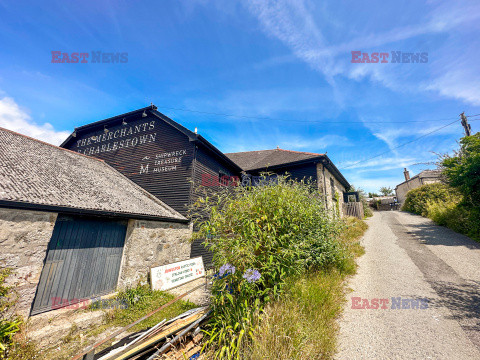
<point>299,152</point>
<point>277,149</point>
<point>241,152</point>
<point>46,143</point>
<point>115,117</point>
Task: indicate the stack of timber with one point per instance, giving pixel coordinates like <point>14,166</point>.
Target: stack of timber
<point>178,338</point>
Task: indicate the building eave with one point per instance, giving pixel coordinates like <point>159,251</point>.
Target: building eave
<point>323,159</point>
<point>86,212</point>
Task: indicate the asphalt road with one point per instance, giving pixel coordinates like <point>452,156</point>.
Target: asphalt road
<point>427,282</point>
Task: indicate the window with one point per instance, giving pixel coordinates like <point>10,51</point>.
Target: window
<point>223,178</point>
<point>332,185</point>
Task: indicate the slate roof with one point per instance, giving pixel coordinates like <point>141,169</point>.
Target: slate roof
<point>34,172</point>
<point>425,174</point>
<point>252,160</point>
<point>430,174</point>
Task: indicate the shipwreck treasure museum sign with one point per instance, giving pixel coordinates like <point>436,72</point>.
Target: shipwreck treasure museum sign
<point>172,275</point>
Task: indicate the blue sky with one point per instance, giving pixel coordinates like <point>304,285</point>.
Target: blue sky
<point>287,61</point>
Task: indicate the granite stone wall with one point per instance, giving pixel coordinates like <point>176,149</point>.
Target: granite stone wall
<point>149,244</point>
<point>24,237</point>
<point>324,185</point>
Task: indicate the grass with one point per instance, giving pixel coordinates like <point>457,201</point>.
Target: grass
<point>146,302</point>
<point>303,324</point>
<point>141,301</point>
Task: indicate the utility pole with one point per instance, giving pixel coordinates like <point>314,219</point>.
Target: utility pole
<point>466,125</point>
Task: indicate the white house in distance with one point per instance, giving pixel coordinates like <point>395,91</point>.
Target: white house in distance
<point>423,178</point>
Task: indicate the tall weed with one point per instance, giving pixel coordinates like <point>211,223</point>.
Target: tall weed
<point>276,230</point>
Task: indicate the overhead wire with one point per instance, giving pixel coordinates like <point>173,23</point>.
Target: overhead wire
<point>336,122</point>
<point>399,146</point>
<point>295,120</point>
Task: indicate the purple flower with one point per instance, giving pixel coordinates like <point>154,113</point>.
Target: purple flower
<point>226,269</point>
<point>252,275</point>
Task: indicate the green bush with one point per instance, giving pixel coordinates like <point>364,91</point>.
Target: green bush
<point>458,217</point>
<point>446,206</point>
<point>273,231</point>
<point>462,170</point>
<point>9,325</point>
<point>417,199</point>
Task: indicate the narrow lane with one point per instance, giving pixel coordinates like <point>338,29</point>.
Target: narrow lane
<point>426,280</point>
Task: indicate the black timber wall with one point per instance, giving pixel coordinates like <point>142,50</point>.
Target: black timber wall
<point>297,172</point>
<point>148,151</point>
<point>207,167</point>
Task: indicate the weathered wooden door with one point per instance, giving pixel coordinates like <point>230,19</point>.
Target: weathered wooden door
<point>83,260</point>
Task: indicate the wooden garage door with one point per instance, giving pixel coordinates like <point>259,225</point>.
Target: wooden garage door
<point>83,260</point>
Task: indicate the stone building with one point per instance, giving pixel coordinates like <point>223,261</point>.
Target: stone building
<point>423,178</point>
<point>72,227</point>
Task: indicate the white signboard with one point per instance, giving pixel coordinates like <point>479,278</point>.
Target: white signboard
<point>168,276</point>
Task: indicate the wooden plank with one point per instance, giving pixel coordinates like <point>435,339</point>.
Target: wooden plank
<point>73,259</point>
<point>115,334</point>
<point>172,329</point>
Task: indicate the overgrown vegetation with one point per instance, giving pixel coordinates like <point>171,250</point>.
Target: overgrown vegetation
<point>302,324</point>
<point>134,303</point>
<point>419,199</point>
<point>455,204</point>
<point>141,300</point>
<point>262,237</point>
<point>9,323</point>
<point>462,170</point>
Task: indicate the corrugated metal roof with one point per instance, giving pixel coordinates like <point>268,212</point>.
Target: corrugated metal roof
<point>251,160</point>
<point>35,172</point>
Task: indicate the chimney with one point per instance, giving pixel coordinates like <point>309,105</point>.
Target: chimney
<point>406,173</point>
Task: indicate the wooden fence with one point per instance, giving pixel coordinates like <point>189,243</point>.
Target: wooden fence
<point>353,209</point>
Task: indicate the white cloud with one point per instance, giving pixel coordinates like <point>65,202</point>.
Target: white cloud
<point>14,118</point>
<point>316,143</point>
<point>458,84</point>
<point>292,23</point>
<point>379,163</point>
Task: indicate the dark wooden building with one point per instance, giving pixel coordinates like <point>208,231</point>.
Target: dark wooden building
<point>170,161</point>
<point>299,165</point>
<point>157,153</point>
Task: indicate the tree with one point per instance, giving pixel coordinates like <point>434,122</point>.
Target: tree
<point>372,195</point>
<point>386,191</point>
<point>462,171</point>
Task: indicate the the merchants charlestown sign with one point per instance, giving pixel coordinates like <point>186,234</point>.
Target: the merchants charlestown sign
<point>132,137</point>
<point>169,276</point>
<point>127,136</point>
